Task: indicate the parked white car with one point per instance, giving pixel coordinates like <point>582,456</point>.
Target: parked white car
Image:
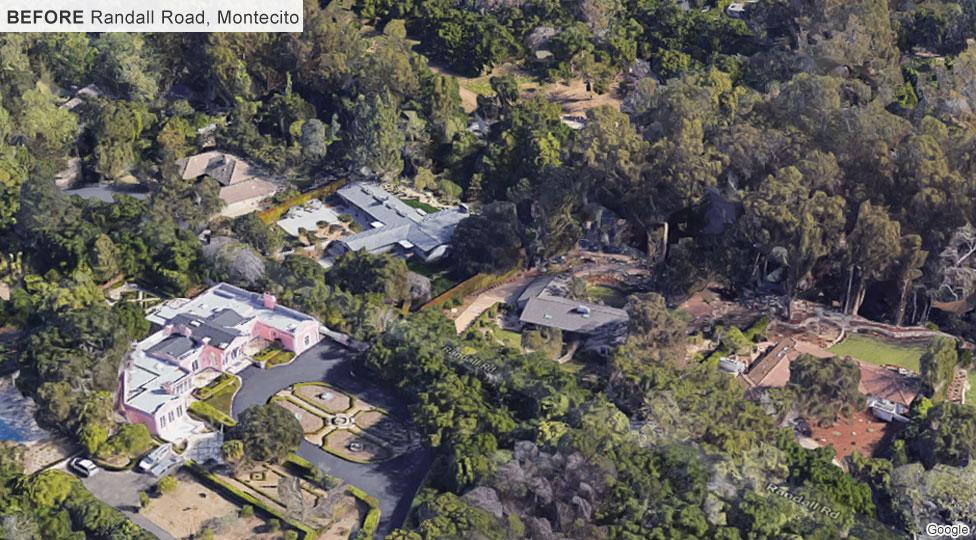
<point>160,460</point>
<point>83,467</point>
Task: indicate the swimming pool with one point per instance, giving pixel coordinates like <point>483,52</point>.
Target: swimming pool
<point>17,415</point>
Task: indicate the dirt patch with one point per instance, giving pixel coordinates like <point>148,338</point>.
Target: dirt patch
<point>348,514</point>
<point>310,422</point>
<point>192,505</point>
<point>574,98</point>
<point>368,419</point>
<point>324,397</point>
<point>47,452</point>
<point>862,433</point>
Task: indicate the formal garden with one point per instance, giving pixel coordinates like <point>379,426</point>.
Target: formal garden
<point>344,426</point>
<point>259,500</point>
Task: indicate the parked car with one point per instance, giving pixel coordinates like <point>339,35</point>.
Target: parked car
<point>83,467</point>
<point>152,458</point>
<point>160,461</point>
<point>802,427</point>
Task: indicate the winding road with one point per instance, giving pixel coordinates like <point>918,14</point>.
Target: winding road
<point>395,482</point>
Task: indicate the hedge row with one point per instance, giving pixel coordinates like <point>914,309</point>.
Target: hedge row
<point>215,387</point>
<point>231,490</point>
<point>211,414</point>
<point>758,329</point>
<point>275,212</point>
<point>476,283</point>
<point>372,520</point>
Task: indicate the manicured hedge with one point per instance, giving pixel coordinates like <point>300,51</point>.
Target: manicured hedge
<point>211,414</point>
<point>476,283</point>
<point>274,213</point>
<point>219,484</point>
<point>372,520</point>
<point>215,387</point>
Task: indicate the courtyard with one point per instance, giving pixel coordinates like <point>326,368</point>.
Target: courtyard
<point>393,481</point>
<point>344,426</point>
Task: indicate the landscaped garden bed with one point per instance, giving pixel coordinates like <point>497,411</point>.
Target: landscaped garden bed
<point>324,397</point>
<point>343,426</point>
<point>274,356</point>
<point>219,394</point>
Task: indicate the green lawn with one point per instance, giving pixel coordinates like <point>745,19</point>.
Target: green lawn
<point>415,203</point>
<point>509,338</point>
<point>438,272</point>
<point>222,400</point>
<point>608,295</point>
<point>880,352</point>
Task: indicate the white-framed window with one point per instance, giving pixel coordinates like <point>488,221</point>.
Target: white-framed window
<point>162,421</point>
<point>196,365</point>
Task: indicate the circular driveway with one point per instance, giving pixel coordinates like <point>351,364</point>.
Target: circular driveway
<point>395,482</point>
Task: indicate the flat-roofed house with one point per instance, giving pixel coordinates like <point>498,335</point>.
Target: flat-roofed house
<point>212,331</point>
<point>598,325</point>
<point>392,226</point>
<point>242,186</point>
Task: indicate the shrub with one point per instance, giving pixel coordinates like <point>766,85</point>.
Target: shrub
<point>246,511</point>
<point>233,450</point>
<point>211,414</point>
<point>372,520</point>
<point>130,440</point>
<point>143,499</point>
<point>274,524</point>
<point>291,535</point>
<point>93,436</point>
<point>165,485</point>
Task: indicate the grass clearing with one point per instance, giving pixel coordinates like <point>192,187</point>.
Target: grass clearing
<point>419,205</point>
<point>879,351</point>
<point>439,274</point>
<point>606,295</point>
<point>508,338</point>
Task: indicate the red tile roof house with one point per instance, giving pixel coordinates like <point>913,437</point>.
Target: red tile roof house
<point>212,331</point>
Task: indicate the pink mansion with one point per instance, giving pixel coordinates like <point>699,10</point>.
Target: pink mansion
<point>216,330</point>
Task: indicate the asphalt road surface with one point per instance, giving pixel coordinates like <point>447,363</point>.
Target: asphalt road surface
<point>120,489</point>
<point>395,482</point>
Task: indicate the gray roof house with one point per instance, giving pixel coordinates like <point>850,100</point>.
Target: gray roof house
<point>393,226</point>
<point>543,305</point>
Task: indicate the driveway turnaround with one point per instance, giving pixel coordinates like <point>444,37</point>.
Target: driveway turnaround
<point>395,482</point>
<point>120,490</point>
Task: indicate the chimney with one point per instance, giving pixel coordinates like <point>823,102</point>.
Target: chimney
<point>270,302</point>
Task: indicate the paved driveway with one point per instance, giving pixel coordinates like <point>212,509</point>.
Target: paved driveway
<point>395,482</point>
<point>120,489</point>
